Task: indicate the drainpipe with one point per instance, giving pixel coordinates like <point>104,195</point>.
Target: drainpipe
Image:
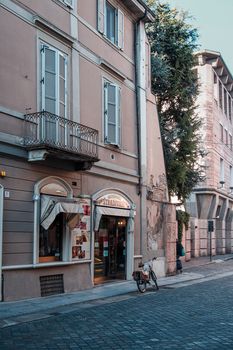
<point>1,233</point>
<point>137,55</point>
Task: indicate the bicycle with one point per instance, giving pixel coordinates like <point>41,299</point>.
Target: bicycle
<point>145,276</point>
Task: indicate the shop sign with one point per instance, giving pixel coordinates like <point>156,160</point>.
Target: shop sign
<point>113,200</point>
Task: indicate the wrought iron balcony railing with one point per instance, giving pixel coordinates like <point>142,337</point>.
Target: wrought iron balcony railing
<point>49,131</point>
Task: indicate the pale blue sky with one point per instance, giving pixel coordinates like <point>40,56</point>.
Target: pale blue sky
<point>214,21</point>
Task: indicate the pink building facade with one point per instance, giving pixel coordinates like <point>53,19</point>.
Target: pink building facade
<point>212,200</point>
<point>83,194</point>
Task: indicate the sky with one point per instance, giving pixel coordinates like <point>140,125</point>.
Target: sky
<point>214,22</point>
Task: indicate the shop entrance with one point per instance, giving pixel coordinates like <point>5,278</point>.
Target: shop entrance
<point>110,249</point>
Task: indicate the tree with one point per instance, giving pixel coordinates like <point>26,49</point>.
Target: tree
<point>173,43</point>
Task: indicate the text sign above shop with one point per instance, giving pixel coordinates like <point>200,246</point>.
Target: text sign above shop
<point>113,200</point>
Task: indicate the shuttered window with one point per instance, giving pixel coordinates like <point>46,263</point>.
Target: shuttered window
<point>53,81</point>
<point>112,113</point>
<point>111,22</point>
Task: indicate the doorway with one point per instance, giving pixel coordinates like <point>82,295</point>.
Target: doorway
<point>110,249</point>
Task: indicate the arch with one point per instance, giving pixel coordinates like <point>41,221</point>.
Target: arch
<point>52,179</point>
<point>110,190</point>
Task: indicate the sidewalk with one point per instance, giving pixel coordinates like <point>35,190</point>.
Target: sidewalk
<point>203,260</point>
<point>31,309</point>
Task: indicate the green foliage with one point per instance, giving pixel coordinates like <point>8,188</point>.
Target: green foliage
<point>183,220</point>
<point>174,83</point>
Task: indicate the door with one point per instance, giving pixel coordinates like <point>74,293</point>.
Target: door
<point>110,249</point>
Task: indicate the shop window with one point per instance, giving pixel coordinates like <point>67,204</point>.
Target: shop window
<point>112,113</point>
<point>63,232</point>
<point>111,22</point>
<point>50,243</point>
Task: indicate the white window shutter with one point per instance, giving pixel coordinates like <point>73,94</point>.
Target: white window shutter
<point>120,29</point>
<point>62,93</point>
<point>112,114</point>
<point>105,112</point>
<point>50,80</point>
<point>118,117</point>
<point>42,77</point>
<point>101,16</point>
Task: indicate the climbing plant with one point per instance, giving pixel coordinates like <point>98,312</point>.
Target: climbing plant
<point>182,218</point>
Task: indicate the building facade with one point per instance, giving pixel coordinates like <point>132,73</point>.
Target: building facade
<point>212,200</point>
<point>83,193</point>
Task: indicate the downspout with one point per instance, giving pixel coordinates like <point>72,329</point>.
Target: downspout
<point>137,49</point>
<point>1,234</point>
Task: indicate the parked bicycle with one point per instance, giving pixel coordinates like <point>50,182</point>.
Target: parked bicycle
<point>145,276</point>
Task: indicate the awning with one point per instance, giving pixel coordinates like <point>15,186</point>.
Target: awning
<point>99,211</point>
<point>51,207</point>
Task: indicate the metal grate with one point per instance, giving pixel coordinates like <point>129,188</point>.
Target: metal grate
<point>44,129</point>
<point>51,285</point>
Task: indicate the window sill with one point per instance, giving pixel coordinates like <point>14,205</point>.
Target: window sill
<point>41,265</point>
<point>115,46</point>
<point>112,146</point>
<point>61,263</point>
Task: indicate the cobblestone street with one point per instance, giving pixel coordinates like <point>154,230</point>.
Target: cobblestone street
<point>196,316</point>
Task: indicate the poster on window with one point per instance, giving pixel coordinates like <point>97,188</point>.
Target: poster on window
<point>81,245</point>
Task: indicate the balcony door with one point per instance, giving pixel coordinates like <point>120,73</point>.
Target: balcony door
<point>53,93</point>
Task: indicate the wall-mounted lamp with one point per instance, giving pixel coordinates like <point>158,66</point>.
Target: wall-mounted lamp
<point>221,184</point>
<point>2,173</point>
<point>230,190</point>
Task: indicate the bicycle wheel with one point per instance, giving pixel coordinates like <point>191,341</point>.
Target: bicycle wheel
<point>154,279</point>
<point>141,286</point>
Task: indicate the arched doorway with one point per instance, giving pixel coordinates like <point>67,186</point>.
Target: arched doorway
<point>113,236</point>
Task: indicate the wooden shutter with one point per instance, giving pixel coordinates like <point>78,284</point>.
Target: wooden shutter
<point>48,81</point>
<point>62,85</point>
<point>120,29</point>
<point>112,113</point>
<point>101,16</point>
<point>118,117</point>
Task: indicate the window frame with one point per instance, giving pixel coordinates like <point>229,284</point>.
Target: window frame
<point>109,5</point>
<point>102,20</point>
<point>58,54</point>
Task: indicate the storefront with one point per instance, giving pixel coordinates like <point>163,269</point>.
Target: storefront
<point>113,237</point>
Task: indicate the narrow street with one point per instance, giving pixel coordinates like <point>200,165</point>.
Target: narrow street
<point>197,315</point>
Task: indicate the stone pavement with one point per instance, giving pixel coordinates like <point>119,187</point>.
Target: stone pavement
<point>12,313</point>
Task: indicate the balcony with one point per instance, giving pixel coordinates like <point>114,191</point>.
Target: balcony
<point>48,135</point>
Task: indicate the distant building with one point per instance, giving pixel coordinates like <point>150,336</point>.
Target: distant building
<point>83,187</point>
<point>213,198</point>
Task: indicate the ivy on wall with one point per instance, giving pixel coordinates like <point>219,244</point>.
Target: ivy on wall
<point>182,217</point>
